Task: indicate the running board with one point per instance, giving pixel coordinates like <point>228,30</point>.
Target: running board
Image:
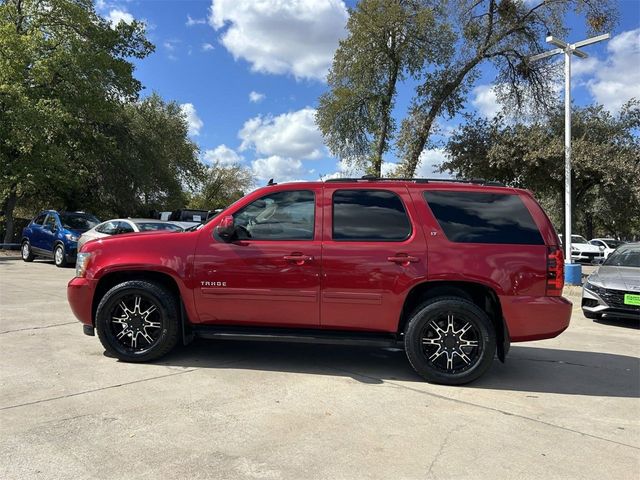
<point>327,337</point>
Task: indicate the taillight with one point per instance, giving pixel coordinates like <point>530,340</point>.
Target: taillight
<point>555,271</point>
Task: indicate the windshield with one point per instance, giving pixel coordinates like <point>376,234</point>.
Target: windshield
<point>78,221</point>
<point>625,257</point>
<point>613,243</point>
<point>151,226</point>
<point>578,239</point>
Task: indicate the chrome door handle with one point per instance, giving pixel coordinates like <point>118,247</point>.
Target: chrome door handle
<point>298,259</point>
<point>403,259</point>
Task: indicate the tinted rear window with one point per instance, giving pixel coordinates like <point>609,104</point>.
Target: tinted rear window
<point>476,217</point>
<point>369,215</point>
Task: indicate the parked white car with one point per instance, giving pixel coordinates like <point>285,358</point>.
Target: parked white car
<point>119,226</point>
<point>583,251</point>
<point>606,245</point>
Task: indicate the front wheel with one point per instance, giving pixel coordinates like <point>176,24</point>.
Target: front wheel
<point>59,256</point>
<point>137,321</point>
<point>449,340</point>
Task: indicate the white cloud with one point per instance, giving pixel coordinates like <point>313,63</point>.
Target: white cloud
<point>207,47</point>
<point>292,134</point>
<point>222,155</point>
<point>279,168</point>
<point>169,45</point>
<point>116,16</point>
<point>275,36</point>
<point>485,100</point>
<point>256,97</point>
<point>617,79</point>
<point>193,120</point>
<point>429,161</point>
<point>195,21</point>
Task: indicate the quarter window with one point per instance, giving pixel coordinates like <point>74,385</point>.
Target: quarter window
<point>369,216</point>
<point>40,219</point>
<point>286,215</point>
<point>108,228</point>
<point>478,217</point>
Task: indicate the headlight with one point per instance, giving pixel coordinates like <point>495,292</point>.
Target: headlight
<point>82,260</point>
<point>71,237</point>
<point>594,288</point>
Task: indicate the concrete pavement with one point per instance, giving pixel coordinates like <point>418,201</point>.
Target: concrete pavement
<point>562,408</point>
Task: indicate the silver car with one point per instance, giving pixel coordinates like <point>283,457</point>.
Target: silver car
<point>613,290</point>
<point>119,226</point>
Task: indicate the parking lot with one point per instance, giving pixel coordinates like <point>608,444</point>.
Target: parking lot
<point>562,408</point>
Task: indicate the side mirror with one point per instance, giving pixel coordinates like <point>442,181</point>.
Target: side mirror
<point>225,228</point>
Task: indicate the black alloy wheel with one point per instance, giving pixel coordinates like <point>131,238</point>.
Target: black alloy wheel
<point>137,321</point>
<point>449,340</point>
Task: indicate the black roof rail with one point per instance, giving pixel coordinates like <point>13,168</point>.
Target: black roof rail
<point>373,178</point>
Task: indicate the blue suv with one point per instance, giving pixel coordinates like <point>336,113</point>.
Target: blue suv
<point>55,235</point>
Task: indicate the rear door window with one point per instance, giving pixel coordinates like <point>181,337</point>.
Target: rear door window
<point>369,216</point>
<point>478,217</point>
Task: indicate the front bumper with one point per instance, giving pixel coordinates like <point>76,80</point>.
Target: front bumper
<point>535,318</point>
<point>80,296</point>
<point>586,257</point>
<point>607,302</point>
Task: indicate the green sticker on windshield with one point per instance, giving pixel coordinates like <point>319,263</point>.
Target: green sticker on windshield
<point>631,299</point>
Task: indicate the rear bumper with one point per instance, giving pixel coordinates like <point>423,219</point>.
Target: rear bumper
<point>80,297</point>
<point>535,318</point>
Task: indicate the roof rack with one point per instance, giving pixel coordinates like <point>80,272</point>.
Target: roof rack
<point>372,178</point>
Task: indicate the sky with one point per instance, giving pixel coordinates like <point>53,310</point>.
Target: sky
<point>248,74</point>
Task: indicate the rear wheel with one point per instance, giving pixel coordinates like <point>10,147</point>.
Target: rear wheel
<point>449,340</point>
<point>27,254</point>
<point>137,321</point>
<point>59,256</point>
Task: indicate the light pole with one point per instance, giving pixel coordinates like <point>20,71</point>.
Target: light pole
<point>568,50</point>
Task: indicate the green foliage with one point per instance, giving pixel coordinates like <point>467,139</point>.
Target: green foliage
<point>605,161</point>
<point>72,131</point>
<point>504,33</point>
<point>222,186</point>
<point>440,47</point>
<point>388,41</point>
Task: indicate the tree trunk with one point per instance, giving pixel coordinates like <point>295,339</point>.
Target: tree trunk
<point>9,206</point>
<point>412,157</point>
<point>386,119</point>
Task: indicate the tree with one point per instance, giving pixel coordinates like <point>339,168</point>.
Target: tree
<point>222,186</point>
<point>605,161</point>
<point>63,71</point>
<point>440,47</point>
<point>387,42</point>
<point>142,161</point>
<point>504,33</point>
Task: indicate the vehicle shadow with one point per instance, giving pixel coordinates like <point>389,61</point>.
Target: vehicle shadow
<point>633,323</point>
<point>528,369</point>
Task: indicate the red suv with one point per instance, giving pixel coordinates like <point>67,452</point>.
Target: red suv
<point>451,271</point>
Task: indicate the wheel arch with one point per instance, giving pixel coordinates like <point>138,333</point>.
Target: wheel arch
<point>111,279</point>
<point>481,295</point>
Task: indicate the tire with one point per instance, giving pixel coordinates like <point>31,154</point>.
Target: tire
<point>26,253</point>
<point>59,256</point>
<point>120,329</point>
<point>430,341</point>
